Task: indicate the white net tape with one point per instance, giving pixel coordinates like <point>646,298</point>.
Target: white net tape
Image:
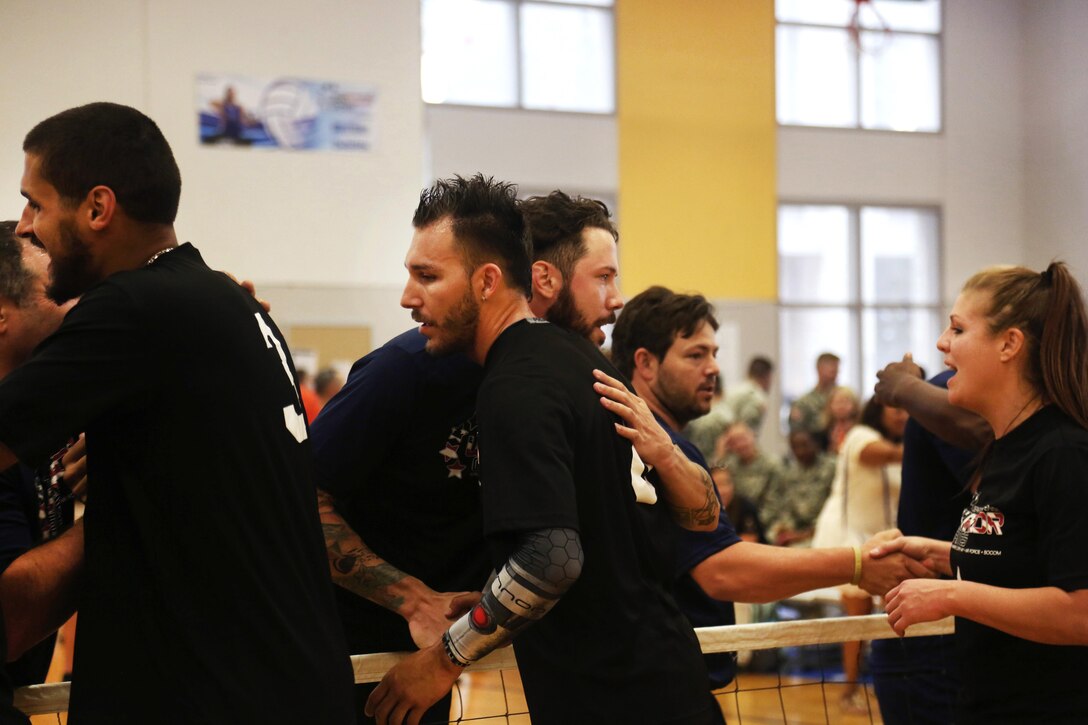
<point>53,698</point>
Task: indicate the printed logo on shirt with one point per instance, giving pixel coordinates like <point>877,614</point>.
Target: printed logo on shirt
<point>979,521</point>
<point>461,453</point>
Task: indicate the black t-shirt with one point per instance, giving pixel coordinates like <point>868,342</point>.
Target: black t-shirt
<point>397,448</point>
<point>207,594</point>
<point>1023,529</point>
<point>615,648</point>
<point>935,475</point>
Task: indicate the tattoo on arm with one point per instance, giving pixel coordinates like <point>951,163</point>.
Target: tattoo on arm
<point>705,514</point>
<point>353,564</point>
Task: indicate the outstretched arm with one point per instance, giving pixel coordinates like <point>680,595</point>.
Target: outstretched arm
<point>748,572</point>
<point>900,385</point>
<point>355,567</point>
<point>687,487</point>
<point>38,591</point>
<point>545,564</point>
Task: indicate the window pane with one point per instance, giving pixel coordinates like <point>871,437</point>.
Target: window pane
<point>900,82</point>
<point>567,58</point>
<point>814,259</point>
<point>803,335</point>
<point>820,12</point>
<point>918,15</point>
<point>469,52</point>
<point>899,256</point>
<point>888,334</point>
<point>816,77</point>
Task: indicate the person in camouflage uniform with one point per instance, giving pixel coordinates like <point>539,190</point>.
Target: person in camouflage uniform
<point>747,401</point>
<point>801,491</point>
<point>754,474</point>
<point>807,411</point>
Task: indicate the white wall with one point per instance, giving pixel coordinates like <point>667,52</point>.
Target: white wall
<point>1056,109</point>
<point>278,217</point>
<point>324,233</point>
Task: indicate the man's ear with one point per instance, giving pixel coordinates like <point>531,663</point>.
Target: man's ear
<point>547,280</point>
<point>5,314</point>
<point>100,205</point>
<point>487,280</point>
<point>1012,343</point>
<point>645,364</point>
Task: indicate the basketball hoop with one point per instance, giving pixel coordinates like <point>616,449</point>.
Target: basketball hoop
<point>855,26</point>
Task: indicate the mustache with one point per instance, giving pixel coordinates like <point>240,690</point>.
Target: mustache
<point>33,239</point>
<point>420,318</point>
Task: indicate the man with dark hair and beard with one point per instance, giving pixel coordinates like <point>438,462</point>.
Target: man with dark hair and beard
<point>201,530</point>
<point>396,450</point>
<point>555,478</point>
<point>664,342</point>
<point>575,265</point>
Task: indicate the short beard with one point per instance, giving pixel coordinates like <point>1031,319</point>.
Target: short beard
<point>564,313</point>
<point>71,273</point>
<point>460,328</point>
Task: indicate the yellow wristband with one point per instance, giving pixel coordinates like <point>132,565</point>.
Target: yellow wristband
<point>857,566</point>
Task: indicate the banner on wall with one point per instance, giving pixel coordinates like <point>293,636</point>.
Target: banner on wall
<point>285,113</point>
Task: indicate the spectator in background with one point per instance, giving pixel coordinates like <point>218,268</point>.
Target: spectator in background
<point>806,411</point>
<point>747,401</point>
<point>863,501</point>
<point>705,431</point>
<point>801,492</point>
<point>839,416</point>
<point>738,509</point>
<point>754,474</point>
<point>327,383</point>
<point>310,402</point>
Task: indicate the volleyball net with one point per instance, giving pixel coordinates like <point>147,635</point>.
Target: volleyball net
<point>803,685</point>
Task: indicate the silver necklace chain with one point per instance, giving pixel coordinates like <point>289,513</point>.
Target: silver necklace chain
<point>156,255</point>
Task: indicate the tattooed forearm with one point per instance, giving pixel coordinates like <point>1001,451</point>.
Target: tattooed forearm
<point>703,515</point>
<point>353,564</point>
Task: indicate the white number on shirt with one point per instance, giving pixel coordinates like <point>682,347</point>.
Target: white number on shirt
<point>294,420</point>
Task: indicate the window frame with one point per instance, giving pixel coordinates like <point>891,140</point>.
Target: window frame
<point>857,307</point>
<point>856,57</point>
<point>518,62</point>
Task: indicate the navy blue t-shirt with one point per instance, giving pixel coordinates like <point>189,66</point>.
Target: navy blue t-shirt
<point>935,475</point>
<point>398,449</point>
<point>694,547</point>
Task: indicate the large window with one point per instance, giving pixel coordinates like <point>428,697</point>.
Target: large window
<point>540,55</point>
<point>862,282</point>
<point>872,65</point>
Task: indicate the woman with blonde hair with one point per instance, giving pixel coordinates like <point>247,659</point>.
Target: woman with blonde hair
<point>1017,340</point>
<point>840,415</point>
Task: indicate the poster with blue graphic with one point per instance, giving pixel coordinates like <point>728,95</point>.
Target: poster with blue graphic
<point>284,113</point>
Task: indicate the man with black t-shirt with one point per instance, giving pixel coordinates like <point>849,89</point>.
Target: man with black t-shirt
<point>599,639</point>
<point>201,531</point>
<point>664,342</point>
<point>396,450</point>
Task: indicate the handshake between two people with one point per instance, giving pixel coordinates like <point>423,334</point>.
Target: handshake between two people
<point>889,559</point>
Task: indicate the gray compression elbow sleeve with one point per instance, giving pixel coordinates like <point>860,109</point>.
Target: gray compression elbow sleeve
<point>543,567</point>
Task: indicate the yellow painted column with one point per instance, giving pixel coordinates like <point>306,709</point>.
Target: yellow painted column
<point>696,120</point>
